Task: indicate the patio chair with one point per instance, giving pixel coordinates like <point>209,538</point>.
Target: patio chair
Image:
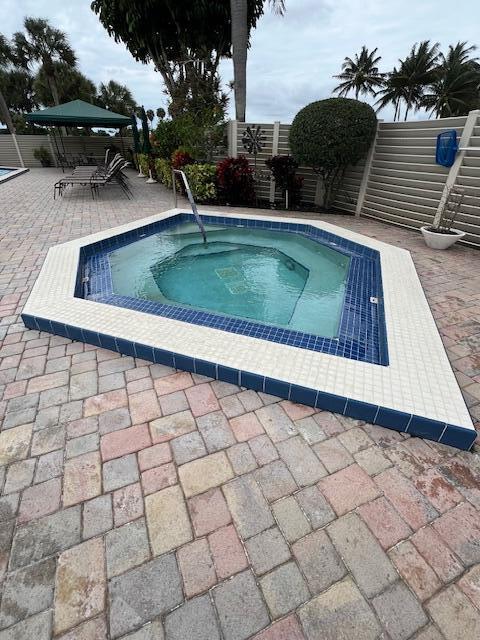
<point>116,175</point>
<point>97,168</point>
<point>96,179</point>
<point>82,174</point>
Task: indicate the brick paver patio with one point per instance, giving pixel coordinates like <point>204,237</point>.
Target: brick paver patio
<point>144,503</point>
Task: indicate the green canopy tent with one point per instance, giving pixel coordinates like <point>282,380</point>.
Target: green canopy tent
<point>78,113</point>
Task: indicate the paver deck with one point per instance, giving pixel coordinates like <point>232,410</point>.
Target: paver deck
<point>143,503</point>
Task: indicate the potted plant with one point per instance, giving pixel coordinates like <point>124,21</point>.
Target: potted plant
<point>42,154</point>
<point>440,235</point>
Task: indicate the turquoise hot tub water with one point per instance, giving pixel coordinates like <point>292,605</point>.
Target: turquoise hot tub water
<point>4,171</point>
<point>273,277</point>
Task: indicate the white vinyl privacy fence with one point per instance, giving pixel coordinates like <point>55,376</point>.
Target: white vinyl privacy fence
<point>275,142</point>
<point>404,185</point>
<point>75,145</point>
<point>398,181</point>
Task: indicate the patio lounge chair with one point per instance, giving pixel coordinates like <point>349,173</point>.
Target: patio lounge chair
<point>94,177</point>
<point>100,169</point>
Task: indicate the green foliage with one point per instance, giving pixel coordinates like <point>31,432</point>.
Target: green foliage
<point>446,84</point>
<point>42,154</point>
<point>199,137</point>
<point>360,75</point>
<point>142,160</point>
<point>116,97</point>
<point>24,127</point>
<point>18,91</point>
<point>43,44</point>
<point>163,170</point>
<point>330,135</point>
<point>73,86</point>
<point>166,138</point>
<point>455,89</point>
<point>202,180</point>
<point>185,41</point>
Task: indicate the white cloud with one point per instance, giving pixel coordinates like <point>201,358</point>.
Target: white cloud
<point>292,58</point>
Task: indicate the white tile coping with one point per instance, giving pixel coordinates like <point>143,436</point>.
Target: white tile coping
<point>14,171</point>
<point>419,379</point>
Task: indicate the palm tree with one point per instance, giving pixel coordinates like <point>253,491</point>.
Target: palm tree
<point>417,71</point>
<point>45,45</point>
<point>360,75</point>
<point>455,88</point>
<point>7,58</point>
<point>240,30</point>
<point>74,85</point>
<point>116,97</point>
<point>393,92</point>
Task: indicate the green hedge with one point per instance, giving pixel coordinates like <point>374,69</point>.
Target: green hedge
<point>164,171</point>
<point>330,135</point>
<point>202,181</point>
<point>142,160</point>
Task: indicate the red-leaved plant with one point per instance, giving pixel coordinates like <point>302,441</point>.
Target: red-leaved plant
<point>235,181</point>
<point>181,158</point>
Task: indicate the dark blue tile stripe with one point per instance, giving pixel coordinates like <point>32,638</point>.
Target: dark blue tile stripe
<point>362,333</point>
<point>450,434</point>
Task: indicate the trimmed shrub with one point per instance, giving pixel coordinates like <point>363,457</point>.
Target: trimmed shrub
<point>235,181</point>
<point>142,161</point>
<point>329,135</point>
<point>201,178</point>
<point>163,169</point>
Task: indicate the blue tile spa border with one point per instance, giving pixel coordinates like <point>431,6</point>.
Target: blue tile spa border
<point>435,430</point>
<point>362,332</point>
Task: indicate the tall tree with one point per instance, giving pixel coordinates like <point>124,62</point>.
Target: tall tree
<point>43,44</point>
<point>360,75</point>
<point>242,21</point>
<point>239,11</point>
<point>6,59</point>
<point>393,92</point>
<point>185,40</point>
<point>116,97</point>
<point>74,85</point>
<point>455,89</point>
<point>18,91</point>
<point>417,71</point>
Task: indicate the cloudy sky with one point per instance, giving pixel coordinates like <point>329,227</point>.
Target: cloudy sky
<point>292,58</point>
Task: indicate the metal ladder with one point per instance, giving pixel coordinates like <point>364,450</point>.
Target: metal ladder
<point>190,199</point>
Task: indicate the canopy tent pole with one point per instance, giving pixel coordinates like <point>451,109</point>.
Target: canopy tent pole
<point>63,146</point>
<point>121,141</point>
<point>56,147</point>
